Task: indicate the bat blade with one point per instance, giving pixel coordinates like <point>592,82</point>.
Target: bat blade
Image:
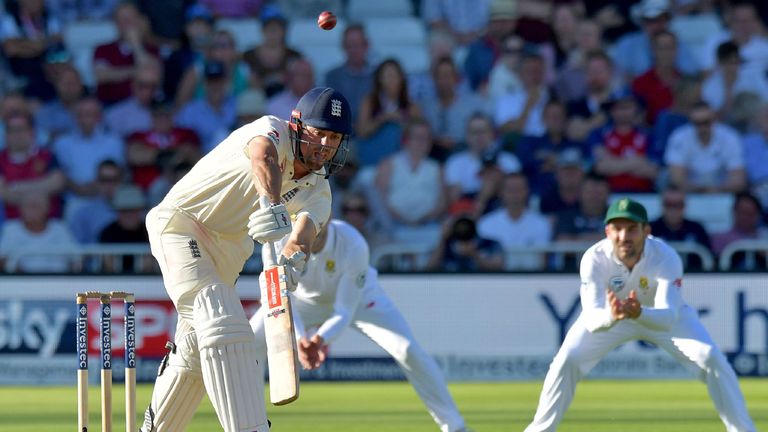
<point>282,354</point>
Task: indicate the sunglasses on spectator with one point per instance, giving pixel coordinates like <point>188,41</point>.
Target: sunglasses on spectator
<point>702,122</point>
<point>674,204</point>
<point>109,179</point>
<point>355,209</point>
<point>147,84</point>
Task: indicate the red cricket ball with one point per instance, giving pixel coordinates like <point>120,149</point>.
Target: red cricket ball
<point>326,20</point>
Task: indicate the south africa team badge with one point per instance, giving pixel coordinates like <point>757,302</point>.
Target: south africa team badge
<point>330,266</point>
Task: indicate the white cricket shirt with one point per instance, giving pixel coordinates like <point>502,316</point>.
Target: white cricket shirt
<point>337,276</point>
<point>219,190</point>
<point>656,279</point>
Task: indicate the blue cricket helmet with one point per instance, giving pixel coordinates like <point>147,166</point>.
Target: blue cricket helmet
<point>325,108</point>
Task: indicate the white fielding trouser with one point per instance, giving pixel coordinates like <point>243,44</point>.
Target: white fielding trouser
<point>215,344</point>
<point>377,318</point>
<point>687,341</point>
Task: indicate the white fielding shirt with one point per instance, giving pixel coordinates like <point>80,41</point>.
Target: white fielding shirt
<point>337,277</point>
<point>656,279</point>
<point>219,190</point>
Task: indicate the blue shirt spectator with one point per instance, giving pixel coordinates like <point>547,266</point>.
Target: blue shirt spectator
<point>756,157</point>
<point>465,19</point>
<point>57,116</point>
<point>632,53</point>
<point>483,52</point>
<point>90,219</point>
<point>448,111</point>
<point>213,114</point>
<point>540,155</point>
<point>354,77</point>
<point>80,152</point>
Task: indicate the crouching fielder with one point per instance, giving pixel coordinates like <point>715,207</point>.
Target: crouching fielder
<point>630,290</point>
<point>339,288</point>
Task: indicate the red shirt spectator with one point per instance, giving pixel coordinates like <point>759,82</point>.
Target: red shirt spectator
<point>114,63</point>
<point>27,169</point>
<point>148,150</point>
<point>655,86</point>
<point>116,54</point>
<point>626,145</point>
<point>621,151</point>
<point>39,163</point>
<point>655,93</point>
<point>174,139</point>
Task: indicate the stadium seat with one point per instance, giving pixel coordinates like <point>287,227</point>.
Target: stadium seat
<point>89,33</point>
<point>246,31</point>
<point>322,48</point>
<point>360,10</point>
<point>413,58</point>
<point>81,38</point>
<point>303,34</point>
<point>396,31</point>
<point>714,211</point>
<point>323,59</point>
<point>695,31</point>
<point>404,38</point>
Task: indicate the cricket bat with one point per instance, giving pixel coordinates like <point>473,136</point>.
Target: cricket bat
<point>282,354</point>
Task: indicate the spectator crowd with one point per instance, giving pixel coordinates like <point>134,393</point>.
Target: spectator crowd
<point>528,118</point>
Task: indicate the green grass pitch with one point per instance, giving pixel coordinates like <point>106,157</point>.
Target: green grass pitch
<point>636,405</point>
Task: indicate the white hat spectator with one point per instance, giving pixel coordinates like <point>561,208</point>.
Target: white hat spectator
<point>503,9</point>
<point>649,9</point>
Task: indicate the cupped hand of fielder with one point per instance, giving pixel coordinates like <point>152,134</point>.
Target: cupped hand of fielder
<point>269,224</point>
<point>631,306</point>
<point>617,309</point>
<point>312,352</point>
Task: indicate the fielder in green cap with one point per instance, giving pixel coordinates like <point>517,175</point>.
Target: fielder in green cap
<point>627,208</point>
<point>630,290</point>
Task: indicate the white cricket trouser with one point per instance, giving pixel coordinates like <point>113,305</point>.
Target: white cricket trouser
<point>379,319</point>
<point>687,341</point>
<point>199,271</point>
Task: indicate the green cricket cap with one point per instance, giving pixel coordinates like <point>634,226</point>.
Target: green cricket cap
<point>626,208</point>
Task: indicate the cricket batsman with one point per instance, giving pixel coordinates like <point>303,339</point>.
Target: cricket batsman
<point>338,289</point>
<point>201,235</point>
<point>630,290</point>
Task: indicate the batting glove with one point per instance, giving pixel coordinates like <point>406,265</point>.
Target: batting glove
<point>269,224</point>
<point>295,267</point>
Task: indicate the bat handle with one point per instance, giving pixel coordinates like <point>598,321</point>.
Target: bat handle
<point>268,254</point>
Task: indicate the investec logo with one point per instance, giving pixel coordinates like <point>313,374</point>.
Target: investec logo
<point>106,340</point>
<point>130,333</point>
<point>82,337</point>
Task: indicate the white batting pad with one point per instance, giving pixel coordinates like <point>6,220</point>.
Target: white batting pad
<point>228,360</point>
<point>178,389</point>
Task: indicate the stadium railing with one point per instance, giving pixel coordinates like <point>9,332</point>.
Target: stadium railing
<point>89,258</point>
<point>394,257</point>
<point>414,256</point>
<point>749,246</point>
